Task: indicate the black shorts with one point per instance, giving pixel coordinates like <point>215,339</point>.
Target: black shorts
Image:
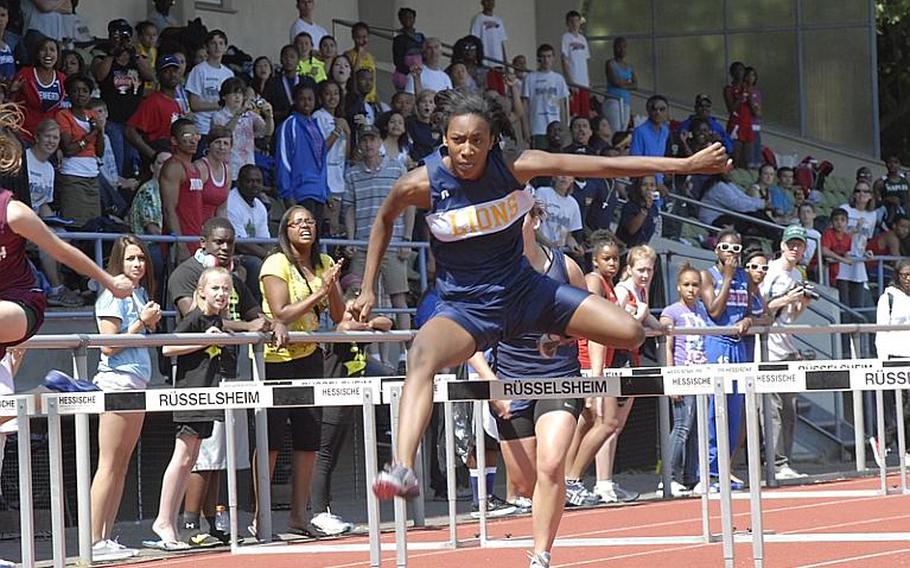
<point>306,423</point>
<point>521,424</point>
<point>199,430</point>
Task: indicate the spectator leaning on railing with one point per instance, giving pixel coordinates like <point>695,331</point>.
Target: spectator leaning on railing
<point>787,297</point>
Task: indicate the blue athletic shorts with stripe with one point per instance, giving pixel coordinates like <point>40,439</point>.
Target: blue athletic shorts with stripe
<point>535,304</point>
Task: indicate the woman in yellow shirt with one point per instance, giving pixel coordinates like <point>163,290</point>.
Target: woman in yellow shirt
<point>298,284</point>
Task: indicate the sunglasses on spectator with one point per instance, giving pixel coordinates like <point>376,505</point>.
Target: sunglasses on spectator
<point>735,248</point>
<point>298,222</point>
<point>190,136</point>
<point>762,267</point>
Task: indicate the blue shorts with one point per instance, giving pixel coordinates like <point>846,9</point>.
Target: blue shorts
<point>536,304</point>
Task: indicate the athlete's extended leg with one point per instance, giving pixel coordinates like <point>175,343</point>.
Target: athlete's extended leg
<point>603,321</point>
<point>441,342</point>
<point>554,432</point>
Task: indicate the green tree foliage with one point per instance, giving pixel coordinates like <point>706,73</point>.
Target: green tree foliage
<point>894,76</point>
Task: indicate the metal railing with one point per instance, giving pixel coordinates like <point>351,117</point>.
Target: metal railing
<point>98,240</point>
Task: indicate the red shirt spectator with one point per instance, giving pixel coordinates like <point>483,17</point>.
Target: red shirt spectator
<point>154,116</point>
<point>41,99</point>
<point>838,243</point>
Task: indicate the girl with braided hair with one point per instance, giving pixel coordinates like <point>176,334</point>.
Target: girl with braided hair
<point>476,200</point>
<point>22,302</point>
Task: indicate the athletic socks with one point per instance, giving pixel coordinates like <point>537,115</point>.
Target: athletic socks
<point>190,521</point>
<point>490,482</point>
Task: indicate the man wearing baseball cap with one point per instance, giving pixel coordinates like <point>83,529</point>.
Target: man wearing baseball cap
<point>786,297</point>
<point>367,183</point>
<point>149,128</point>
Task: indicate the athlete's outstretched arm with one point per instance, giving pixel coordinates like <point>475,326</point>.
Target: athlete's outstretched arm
<point>413,188</point>
<point>26,224</point>
<point>534,163</point>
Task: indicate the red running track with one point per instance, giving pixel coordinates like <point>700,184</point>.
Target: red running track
<point>657,518</point>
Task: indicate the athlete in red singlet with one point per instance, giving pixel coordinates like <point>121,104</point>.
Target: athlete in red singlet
<point>215,170</point>
<point>22,303</point>
<point>182,186</point>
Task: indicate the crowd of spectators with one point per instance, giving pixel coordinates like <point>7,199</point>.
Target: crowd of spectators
<point>163,129</point>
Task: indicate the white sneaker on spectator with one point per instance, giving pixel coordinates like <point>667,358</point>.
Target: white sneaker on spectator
<point>611,492</point>
<point>677,489</point>
<point>787,472</point>
<point>107,550</point>
<point>330,524</point>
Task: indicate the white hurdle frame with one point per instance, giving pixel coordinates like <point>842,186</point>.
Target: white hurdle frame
<point>78,343</point>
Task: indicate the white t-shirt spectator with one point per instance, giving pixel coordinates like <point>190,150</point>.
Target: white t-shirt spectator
<point>545,91</point>
<point>778,282</point>
<point>893,309</point>
<point>40,180</point>
<point>205,82</point>
<point>575,49</point>
<point>861,224</point>
<point>249,222</point>
<point>813,238</point>
<point>432,79</point>
<point>315,30</point>
<point>335,157</point>
<point>563,215</point>
<point>248,127</point>
<point>492,33</point>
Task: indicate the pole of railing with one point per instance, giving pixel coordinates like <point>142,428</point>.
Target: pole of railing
<point>722,429</point>
<point>859,437</point>
<point>880,439</point>
<point>55,462</point>
<point>822,273</point>
<point>901,437</point>
<point>451,480</point>
<point>263,474</point>
<point>230,444</point>
<point>752,443</point>
<point>880,272</point>
<point>99,252</point>
<point>83,465</point>
<point>768,422</point>
<point>26,504</point>
<point>370,465</point>
<point>480,461</point>
<point>422,268</point>
<point>665,419</point>
<point>701,414</point>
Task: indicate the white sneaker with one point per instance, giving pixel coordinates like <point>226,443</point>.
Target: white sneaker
<point>105,550</point>
<point>604,490</point>
<point>539,560</point>
<point>331,525</point>
<point>676,489</point>
<point>7,563</point>
<point>787,472</point>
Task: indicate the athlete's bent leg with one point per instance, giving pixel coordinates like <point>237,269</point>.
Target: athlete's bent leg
<point>554,432</point>
<point>441,342</point>
<point>520,457</point>
<point>13,322</point>
<point>603,321</point>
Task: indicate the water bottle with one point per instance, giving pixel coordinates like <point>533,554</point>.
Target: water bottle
<point>222,519</point>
